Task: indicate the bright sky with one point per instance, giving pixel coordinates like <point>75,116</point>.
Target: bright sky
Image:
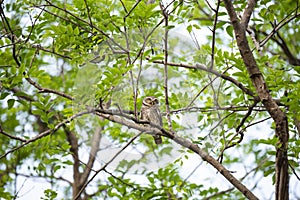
<point>33,188</point>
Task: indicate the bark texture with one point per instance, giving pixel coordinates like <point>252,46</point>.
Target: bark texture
<point>278,115</point>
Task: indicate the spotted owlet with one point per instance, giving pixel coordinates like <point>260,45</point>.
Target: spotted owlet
<point>150,112</point>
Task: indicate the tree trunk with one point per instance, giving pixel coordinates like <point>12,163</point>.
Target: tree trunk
<point>279,117</point>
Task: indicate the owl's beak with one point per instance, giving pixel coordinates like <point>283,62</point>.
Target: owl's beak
<point>153,101</point>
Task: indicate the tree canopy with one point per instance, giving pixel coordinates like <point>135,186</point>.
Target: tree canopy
<point>74,73</point>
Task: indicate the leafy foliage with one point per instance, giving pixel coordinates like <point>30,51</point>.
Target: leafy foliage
<point>70,69</point>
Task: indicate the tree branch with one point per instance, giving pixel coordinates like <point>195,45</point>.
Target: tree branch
<point>279,117</point>
<point>156,130</point>
<point>77,196</point>
<point>165,39</point>
<point>186,143</point>
<point>12,35</point>
<point>247,13</point>
<point>93,152</point>
<point>88,12</point>
<point>47,90</point>
<point>45,133</point>
<point>204,68</point>
<point>250,109</point>
<point>281,24</point>
<point>39,47</point>
<point>73,141</point>
<point>214,34</point>
<point>11,136</point>
<point>290,57</point>
<point>206,157</point>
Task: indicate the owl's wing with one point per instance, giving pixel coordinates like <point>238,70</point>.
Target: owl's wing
<point>159,117</point>
<point>155,116</point>
<point>145,114</point>
<point>152,115</point>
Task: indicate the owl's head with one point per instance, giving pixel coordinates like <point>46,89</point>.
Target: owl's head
<point>150,101</point>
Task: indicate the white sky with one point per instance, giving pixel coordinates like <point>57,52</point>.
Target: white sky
<point>34,188</point>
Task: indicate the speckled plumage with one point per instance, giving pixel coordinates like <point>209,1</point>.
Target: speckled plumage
<point>150,112</point>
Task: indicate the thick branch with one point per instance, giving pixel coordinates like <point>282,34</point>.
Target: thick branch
<point>152,129</point>
<point>73,141</point>
<point>93,152</point>
<point>279,117</point>
<point>77,196</point>
<point>195,148</point>
<point>227,174</point>
<point>248,12</point>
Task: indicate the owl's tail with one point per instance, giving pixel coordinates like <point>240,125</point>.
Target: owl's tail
<point>157,139</point>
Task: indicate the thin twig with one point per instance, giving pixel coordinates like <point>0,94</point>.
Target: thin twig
<point>260,121</point>
<point>200,92</point>
<point>137,86</point>
<point>204,68</point>
<point>11,136</point>
<point>166,18</point>
<point>106,164</point>
<point>238,132</point>
<point>214,35</point>
<point>190,174</point>
<point>220,122</point>
<point>214,108</point>
<point>84,21</point>
<point>119,179</point>
<point>46,133</point>
<point>88,12</point>
<point>281,24</point>
<point>39,47</point>
<point>133,7</point>
<point>123,5</point>
<point>11,36</point>
<point>47,90</point>
<point>33,25</point>
<point>210,6</point>
<point>294,172</point>
<point>250,109</point>
<point>130,71</point>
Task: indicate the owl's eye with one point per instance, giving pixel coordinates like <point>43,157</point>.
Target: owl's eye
<point>155,101</point>
<point>148,100</point>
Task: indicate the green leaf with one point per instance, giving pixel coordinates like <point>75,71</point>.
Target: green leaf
<point>229,31</point>
<point>170,27</point>
<point>49,194</point>
<point>76,31</point>
<point>220,24</point>
<point>4,194</point>
<point>10,103</point>
<point>189,28</point>
<point>3,95</point>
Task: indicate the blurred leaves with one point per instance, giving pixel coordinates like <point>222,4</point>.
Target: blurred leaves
<point>109,53</point>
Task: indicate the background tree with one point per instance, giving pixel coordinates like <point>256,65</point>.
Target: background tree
<point>73,75</point>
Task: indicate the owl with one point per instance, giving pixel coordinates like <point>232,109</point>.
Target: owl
<point>150,112</point>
